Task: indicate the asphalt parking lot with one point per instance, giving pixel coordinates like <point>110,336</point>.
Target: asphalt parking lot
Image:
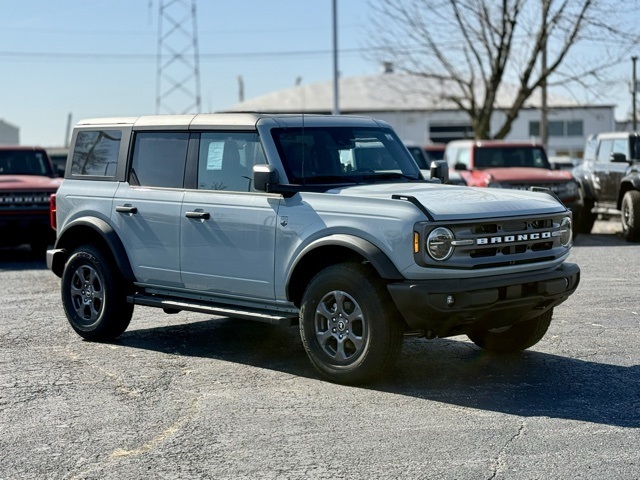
<point>190,396</point>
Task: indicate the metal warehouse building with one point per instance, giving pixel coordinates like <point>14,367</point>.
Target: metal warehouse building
<point>408,103</point>
<point>9,134</point>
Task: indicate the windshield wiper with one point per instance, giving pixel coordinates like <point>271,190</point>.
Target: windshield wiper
<point>389,176</point>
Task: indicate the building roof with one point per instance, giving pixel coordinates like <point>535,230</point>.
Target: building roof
<point>378,93</point>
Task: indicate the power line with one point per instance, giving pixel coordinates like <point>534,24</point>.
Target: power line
<point>99,57</point>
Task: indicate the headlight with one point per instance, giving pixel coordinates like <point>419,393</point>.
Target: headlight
<point>572,188</point>
<point>565,232</point>
<point>439,243</point>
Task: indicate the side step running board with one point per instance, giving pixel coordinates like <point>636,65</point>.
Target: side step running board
<point>174,306</point>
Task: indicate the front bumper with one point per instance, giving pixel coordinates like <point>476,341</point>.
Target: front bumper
<point>442,308</point>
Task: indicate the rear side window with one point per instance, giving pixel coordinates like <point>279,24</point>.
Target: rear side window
<point>96,153</point>
<point>159,159</point>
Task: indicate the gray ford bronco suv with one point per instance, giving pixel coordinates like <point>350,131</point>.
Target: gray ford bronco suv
<point>321,221</point>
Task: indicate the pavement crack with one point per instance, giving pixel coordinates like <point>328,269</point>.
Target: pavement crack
<point>500,462</point>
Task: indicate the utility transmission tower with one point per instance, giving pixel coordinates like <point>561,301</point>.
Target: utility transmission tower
<point>178,76</point>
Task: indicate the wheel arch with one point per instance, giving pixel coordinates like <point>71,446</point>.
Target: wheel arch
<point>339,248</point>
<point>585,188</point>
<point>630,182</point>
<point>94,231</point>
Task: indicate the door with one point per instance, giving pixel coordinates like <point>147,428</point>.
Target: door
<point>607,174</point>
<point>146,209</point>
<point>228,230</point>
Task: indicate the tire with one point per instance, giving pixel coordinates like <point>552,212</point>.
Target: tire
<point>513,338</point>
<point>585,219</point>
<point>349,325</point>
<point>631,216</point>
<point>94,295</point>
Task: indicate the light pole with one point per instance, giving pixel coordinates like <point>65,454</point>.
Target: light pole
<point>336,94</point>
<point>634,120</point>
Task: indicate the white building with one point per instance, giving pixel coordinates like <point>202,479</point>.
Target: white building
<point>418,111</point>
<point>9,134</point>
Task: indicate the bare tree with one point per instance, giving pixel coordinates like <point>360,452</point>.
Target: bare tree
<point>484,56</point>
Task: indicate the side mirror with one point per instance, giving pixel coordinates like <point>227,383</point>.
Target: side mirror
<point>263,176</point>
<point>440,170</point>
<point>618,157</point>
<point>460,166</point>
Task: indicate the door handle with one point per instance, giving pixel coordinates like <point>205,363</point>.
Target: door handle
<point>198,215</point>
<point>130,209</point>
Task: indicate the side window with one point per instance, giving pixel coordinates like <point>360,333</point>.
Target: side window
<point>590,149</point>
<point>604,151</point>
<point>463,157</point>
<point>226,160</point>
<point>621,145</point>
<point>96,153</point>
<point>159,159</point>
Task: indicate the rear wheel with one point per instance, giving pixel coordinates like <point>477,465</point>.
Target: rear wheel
<point>513,338</point>
<point>349,325</point>
<point>94,295</point>
<point>631,216</point>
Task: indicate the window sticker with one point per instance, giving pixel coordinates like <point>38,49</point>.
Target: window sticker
<point>214,156</point>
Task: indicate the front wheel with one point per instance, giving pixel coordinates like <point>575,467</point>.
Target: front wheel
<point>513,338</point>
<point>631,216</point>
<point>584,219</point>
<point>94,295</point>
<point>349,325</point>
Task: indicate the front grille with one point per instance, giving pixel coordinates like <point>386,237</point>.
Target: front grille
<point>561,189</point>
<point>24,200</point>
<point>499,243</point>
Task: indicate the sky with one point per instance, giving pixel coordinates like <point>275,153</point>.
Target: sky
<point>98,58</point>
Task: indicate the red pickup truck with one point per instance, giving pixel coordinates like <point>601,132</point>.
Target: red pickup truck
<point>27,180</point>
<point>515,165</point>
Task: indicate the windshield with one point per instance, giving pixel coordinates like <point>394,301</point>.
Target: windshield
<point>336,155</point>
<point>24,162</point>
<point>513,156</point>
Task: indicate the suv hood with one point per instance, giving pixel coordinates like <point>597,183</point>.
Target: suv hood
<point>526,174</point>
<point>28,182</point>
<point>450,202</point>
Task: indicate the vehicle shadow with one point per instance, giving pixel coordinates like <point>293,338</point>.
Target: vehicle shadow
<point>21,258</point>
<point>602,240</point>
<point>455,372</point>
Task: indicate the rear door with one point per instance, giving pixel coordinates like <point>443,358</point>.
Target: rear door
<point>146,209</point>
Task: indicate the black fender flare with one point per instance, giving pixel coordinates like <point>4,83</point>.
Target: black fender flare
<point>67,240</point>
<point>376,257</point>
<point>632,179</point>
<point>585,187</point>
<point>365,249</point>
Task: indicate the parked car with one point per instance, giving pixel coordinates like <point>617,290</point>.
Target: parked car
<point>513,165</point>
<point>316,220</point>
<point>424,162</point>
<point>58,157</point>
<point>609,177</point>
<point>564,162</point>
<point>434,151</point>
<point>27,181</point>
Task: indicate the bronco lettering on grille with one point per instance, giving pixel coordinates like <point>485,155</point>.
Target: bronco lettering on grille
<point>521,237</point>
